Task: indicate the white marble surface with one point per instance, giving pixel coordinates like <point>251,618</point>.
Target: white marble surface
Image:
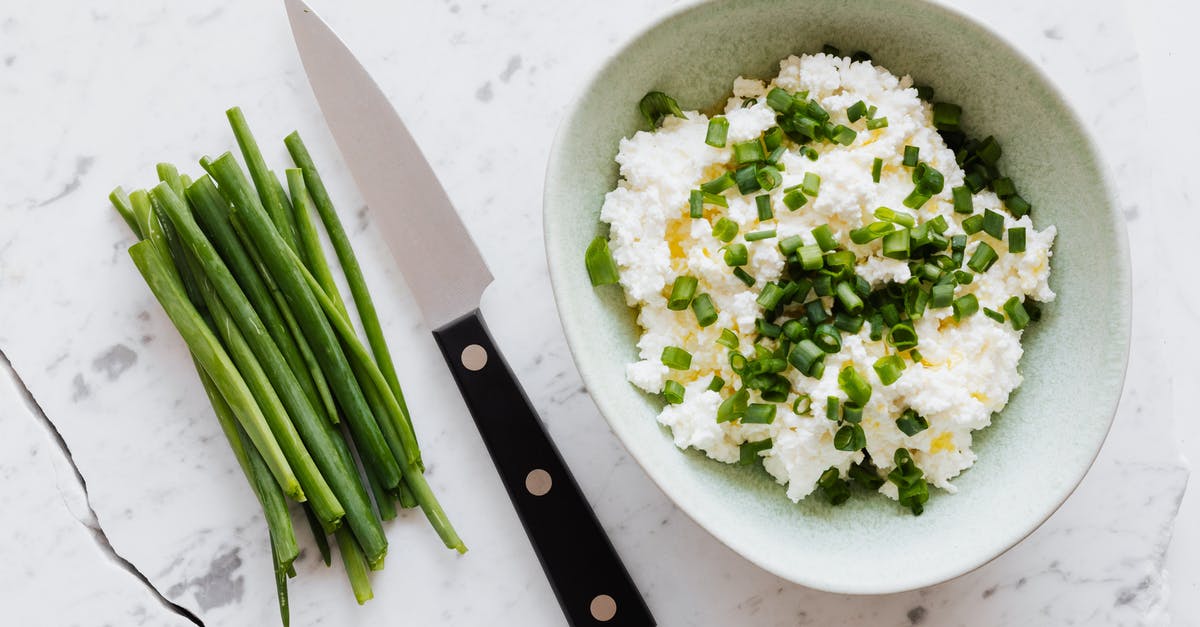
<point>95,97</point>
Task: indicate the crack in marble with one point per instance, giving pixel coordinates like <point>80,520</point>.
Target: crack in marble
<point>82,165</point>
<point>92,522</point>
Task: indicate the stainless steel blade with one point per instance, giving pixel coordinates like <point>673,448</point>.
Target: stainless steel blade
<point>441,263</point>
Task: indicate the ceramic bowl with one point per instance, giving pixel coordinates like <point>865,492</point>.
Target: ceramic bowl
<point>1036,451</point>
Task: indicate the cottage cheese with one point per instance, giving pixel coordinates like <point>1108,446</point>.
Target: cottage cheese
<point>968,368</point>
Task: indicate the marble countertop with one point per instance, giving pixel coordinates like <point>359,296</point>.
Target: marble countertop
<point>121,503</point>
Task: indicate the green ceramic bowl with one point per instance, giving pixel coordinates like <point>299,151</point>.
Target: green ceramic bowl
<point>1036,451</point>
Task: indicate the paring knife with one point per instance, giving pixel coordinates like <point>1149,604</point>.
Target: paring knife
<point>447,276</point>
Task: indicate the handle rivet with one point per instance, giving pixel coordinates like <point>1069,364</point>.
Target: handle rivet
<point>474,357</point>
<point>538,482</point>
<point>603,608</point>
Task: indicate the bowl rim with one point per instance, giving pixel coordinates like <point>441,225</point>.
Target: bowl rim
<point>558,278</point>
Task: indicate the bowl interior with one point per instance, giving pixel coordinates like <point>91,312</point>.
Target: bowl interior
<point>1037,449</point>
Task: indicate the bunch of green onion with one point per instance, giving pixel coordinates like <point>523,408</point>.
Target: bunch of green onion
<point>819,297</point>
<point>311,412</point>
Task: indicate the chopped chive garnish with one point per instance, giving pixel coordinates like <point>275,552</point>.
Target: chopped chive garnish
<point>759,414</point>
<point>811,257</point>
<point>748,151</point>
<point>673,392</point>
<point>1016,313</point>
<point>749,452</point>
<point>718,129</point>
<point>916,199</point>
<point>902,336</point>
<point>895,244</point>
<point>911,487</point>
<point>929,180</point>
<point>776,155</point>
<point>871,232</point>
<point>805,356</point>
<point>655,106</point>
<point>856,111</point>
<point>946,116</point>
<point>744,277</point>
<point>993,224</point>
<point>737,362</point>
<point>988,150</point>
<point>888,368</point>
<point>696,204</point>
<point>676,358</point>
<point>915,356</point>
<point>938,225</point>
<point>768,177</point>
<point>994,315</point>
<point>965,306</point>
<point>715,199</point>
<point>791,244</point>
<point>975,181</point>
<point>860,56</point>
<point>1004,187</point>
<point>850,438</point>
<point>780,100</point>
<point>839,259</point>
<point>941,295</point>
<point>835,490</point>
<point>796,330</point>
<point>1017,206</point>
<point>924,92</point>
<point>749,102</point>
<point>601,267</point>
<point>843,135</point>
<point>733,407</point>
<point>845,295</point>
<point>823,285</point>
<point>728,339</point>
<point>963,201</point>
<point>816,111</point>
<point>746,178</point>
<point>681,293</point>
<point>831,50</point>
<point>824,236</point>
<point>973,224</point>
<point>875,124</point>
<point>773,139</point>
<point>847,322</point>
<point>896,217</point>
<point>794,199</point>
<point>833,408</point>
<point>911,156</point>
<point>757,235</point>
<point>736,255</point>
<point>770,296</point>
<point>725,229</point>
<point>827,338</point>
<point>911,423</point>
<point>852,412</point>
<point>1016,239</point>
<point>762,202</point>
<point>871,110</point>
<point>983,258</point>
<point>766,329</point>
<point>716,384</point>
<point>876,167</point>
<point>854,385</point>
<point>810,152</point>
<point>719,184</point>
<point>706,312</point>
<point>811,184</point>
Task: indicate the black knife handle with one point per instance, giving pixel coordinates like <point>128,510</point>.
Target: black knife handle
<point>584,570</point>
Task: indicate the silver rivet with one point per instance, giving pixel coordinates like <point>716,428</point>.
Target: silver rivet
<point>474,357</point>
<point>538,482</point>
<point>603,608</point>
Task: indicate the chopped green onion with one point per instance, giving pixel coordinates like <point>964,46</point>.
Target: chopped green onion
<point>746,178</point>
<point>896,217</point>
<point>656,105</point>
<point>766,329</point>
<point>888,368</point>
<point>718,129</point>
<point>848,323</point>
<point>725,229</point>
<point>924,92</point>
<point>871,110</point>
<point>912,488</point>
<point>748,151</point>
<point>810,152</point>
<point>1016,313</point>
<point>911,423</point>
<point>871,232</point>
<point>757,235</point>
<point>749,452</point>
<point>736,255</point>
<point>902,336</point>
<point>994,315</point>
<point>601,267</point>
<point>824,236</point>
<point>993,224</point>
<point>946,116</point>
<point>749,102</point>
<point>916,199</point>
<point>673,392</point>
<point>834,489</point>
<point>911,156</point>
<point>706,313</point>
<point>733,407</point>
<point>1017,206</point>
<point>780,100</point>
<point>839,259</point>
<point>915,355</point>
<point>833,408</point>
<point>681,293</point>
<point>988,150</point>
<point>811,184</point>
<point>963,277</point>
<point>831,50</point>
<point>1016,239</point>
<point>796,330</point>
<point>860,56</point>
<point>696,204</point>
<point>676,358</point>
<point>854,385</point>
<point>791,244</point>
<point>827,338</point>
<point>929,180</point>
<point>850,300</point>
<point>719,184</point>
<point>744,277</point>
<point>843,135</point>
<point>768,177</point>
<point>770,296</point>
<point>975,181</point>
<point>728,339</point>
<point>850,438</point>
<point>963,201</point>
<point>763,203</point>
<point>876,167</point>
<point>816,111</point>
<point>737,362</point>
<point>806,356</point>
<point>811,257</point>
<point>852,412</point>
<point>973,224</point>
<point>938,225</point>
<point>776,155</point>
<point>794,199</point>
<point>965,306</point>
<point>983,258</point>
<point>759,414</point>
<point>716,384</point>
<point>773,139</point>
<point>856,111</point>
<point>1004,187</point>
<point>895,244</point>
<point>815,312</point>
<point>875,124</point>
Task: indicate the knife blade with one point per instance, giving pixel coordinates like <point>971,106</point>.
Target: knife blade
<point>447,275</point>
